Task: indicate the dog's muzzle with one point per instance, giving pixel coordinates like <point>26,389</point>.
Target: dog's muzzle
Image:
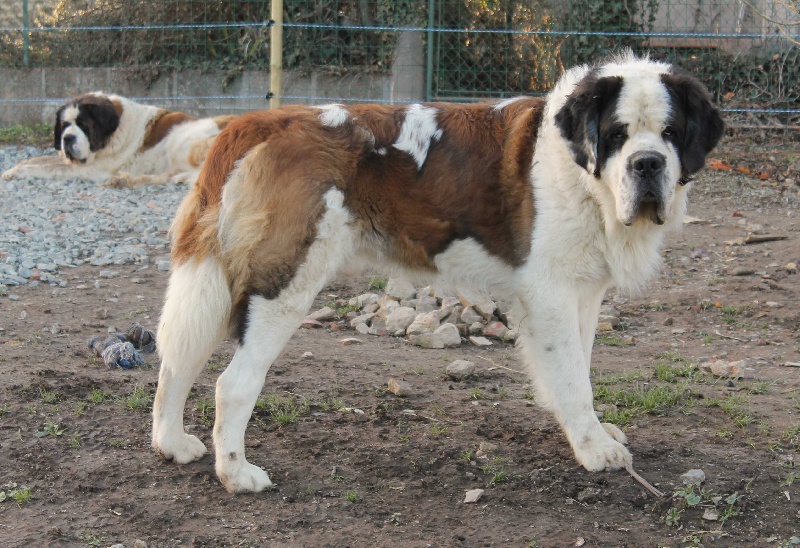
<point>68,146</point>
<point>646,169</point>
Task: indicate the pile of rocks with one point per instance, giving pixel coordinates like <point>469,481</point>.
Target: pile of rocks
<point>427,319</point>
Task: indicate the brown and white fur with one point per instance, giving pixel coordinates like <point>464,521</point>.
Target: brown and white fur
<point>544,202</point>
<point>113,140</point>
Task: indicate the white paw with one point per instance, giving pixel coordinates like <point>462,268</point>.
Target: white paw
<point>9,174</point>
<point>239,476</point>
<point>182,449</point>
<point>614,431</point>
<point>603,451</point>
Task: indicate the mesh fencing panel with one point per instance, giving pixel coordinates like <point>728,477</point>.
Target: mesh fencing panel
<point>746,51</point>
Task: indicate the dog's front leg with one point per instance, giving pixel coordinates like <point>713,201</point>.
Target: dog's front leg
<point>555,351</point>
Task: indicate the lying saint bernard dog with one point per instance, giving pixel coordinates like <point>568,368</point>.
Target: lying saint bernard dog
<point>544,202</point>
<point>113,140</point>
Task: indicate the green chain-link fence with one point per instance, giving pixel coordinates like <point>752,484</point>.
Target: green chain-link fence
<point>747,51</point>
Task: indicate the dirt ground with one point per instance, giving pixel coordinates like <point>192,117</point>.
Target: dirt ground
<point>357,466</point>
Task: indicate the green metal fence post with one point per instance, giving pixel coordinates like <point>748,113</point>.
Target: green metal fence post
<point>429,67</point>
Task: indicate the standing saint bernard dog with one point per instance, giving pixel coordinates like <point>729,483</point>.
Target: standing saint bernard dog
<point>545,202</point>
<point>113,140</point>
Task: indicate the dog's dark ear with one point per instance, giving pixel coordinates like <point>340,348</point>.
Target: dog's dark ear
<point>692,108</point>
<point>58,129</point>
<point>102,121</point>
<point>579,118</point>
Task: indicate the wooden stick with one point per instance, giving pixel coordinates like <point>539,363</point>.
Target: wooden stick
<point>730,337</point>
<point>643,481</point>
<point>497,366</point>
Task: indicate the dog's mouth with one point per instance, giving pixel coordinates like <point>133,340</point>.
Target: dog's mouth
<point>648,209</point>
<point>71,156</point>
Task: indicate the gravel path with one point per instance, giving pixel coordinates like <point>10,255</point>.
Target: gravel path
<point>49,226</point>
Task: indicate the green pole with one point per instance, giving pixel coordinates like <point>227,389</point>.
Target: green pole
<point>25,54</point>
<point>429,68</point>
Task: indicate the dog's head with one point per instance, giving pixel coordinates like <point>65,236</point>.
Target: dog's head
<point>84,126</point>
<point>641,128</point>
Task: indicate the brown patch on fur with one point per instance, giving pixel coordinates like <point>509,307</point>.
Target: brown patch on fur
<point>118,107</point>
<point>223,121</point>
<point>473,184</point>
<point>160,126</point>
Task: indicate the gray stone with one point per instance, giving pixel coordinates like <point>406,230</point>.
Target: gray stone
<point>460,369</point>
<point>469,316</point>
<point>480,341</point>
<point>164,265</point>
<point>427,304</point>
<point>475,328</point>
<point>324,314</point>
<point>427,340</point>
<point>400,289</point>
<point>424,323</point>
<point>362,319</point>
<point>449,335</point>
<point>400,319</point>
<point>694,476</point>
<point>473,496</point>
<point>400,388</point>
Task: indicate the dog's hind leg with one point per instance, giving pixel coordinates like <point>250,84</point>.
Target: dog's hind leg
<point>193,322</point>
<point>269,326</point>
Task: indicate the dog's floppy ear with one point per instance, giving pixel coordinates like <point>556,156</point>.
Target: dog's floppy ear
<point>702,121</point>
<point>58,129</point>
<point>104,122</point>
<point>579,118</point>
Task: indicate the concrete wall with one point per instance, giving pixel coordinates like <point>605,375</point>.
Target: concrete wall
<point>199,93</point>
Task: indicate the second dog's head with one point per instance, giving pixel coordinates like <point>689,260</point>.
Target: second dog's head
<point>84,126</point>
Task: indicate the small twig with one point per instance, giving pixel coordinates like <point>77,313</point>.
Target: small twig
<point>643,481</point>
<point>498,366</point>
<point>757,239</point>
<point>729,337</point>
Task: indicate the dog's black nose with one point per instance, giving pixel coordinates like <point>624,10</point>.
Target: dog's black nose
<point>69,139</point>
<point>647,165</point>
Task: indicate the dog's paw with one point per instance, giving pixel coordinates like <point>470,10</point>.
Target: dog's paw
<point>182,449</point>
<point>614,431</point>
<point>239,476</point>
<point>604,450</point>
<point>118,181</point>
<point>10,173</point>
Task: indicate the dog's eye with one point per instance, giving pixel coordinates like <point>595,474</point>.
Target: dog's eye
<point>668,133</point>
<point>619,134</point>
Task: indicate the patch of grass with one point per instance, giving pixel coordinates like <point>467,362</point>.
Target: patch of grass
<point>50,429</point>
<point>475,394</point>
<point>138,400</point>
<point>206,409</point>
<point>350,496</point>
<point>624,378</point>
<point>4,409</point>
<point>790,478</point>
<point>39,135</point>
<point>378,284</point>
<point>730,313</point>
<point>496,469</point>
<point>438,430</point>
<point>654,400</point>
<point>97,396</point>
<point>11,491</point>
<point>80,408</point>
<point>760,387</point>
<point>47,396</point>
<point>281,410</point>
<point>736,407</point>
<point>612,339</point>
<point>655,306</point>
<point>75,441</point>
<point>693,497</point>
<point>91,539</point>
<point>670,373</point>
<point>214,365</point>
